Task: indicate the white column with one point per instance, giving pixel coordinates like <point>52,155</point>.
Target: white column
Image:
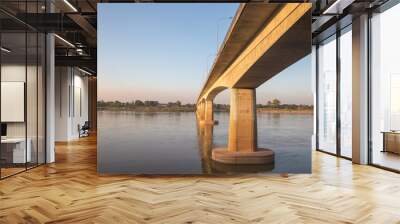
<point>360,90</point>
<point>50,98</point>
<point>314,91</point>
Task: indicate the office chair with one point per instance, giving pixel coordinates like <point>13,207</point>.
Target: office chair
<point>84,130</point>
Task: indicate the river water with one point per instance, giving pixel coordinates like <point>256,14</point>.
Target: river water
<point>173,143</point>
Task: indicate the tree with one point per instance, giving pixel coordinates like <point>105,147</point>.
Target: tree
<point>131,104</point>
<point>100,103</point>
<point>139,103</point>
<point>178,103</point>
<point>117,103</point>
<point>151,103</point>
<point>276,102</point>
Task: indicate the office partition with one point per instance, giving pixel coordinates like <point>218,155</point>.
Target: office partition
<point>22,78</point>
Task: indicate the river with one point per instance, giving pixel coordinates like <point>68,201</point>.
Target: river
<point>173,143</point>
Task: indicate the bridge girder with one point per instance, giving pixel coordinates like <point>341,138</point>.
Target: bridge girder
<point>284,39</point>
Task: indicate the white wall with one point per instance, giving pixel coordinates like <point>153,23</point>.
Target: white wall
<point>33,126</point>
<point>17,73</point>
<point>12,73</point>
<point>79,117</point>
<point>62,82</point>
<point>70,84</point>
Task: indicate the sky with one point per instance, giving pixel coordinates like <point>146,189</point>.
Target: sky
<point>163,52</point>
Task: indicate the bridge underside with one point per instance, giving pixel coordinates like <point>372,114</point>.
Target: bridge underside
<point>294,45</point>
<point>283,38</point>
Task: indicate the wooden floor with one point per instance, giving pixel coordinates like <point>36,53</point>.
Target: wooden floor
<point>387,159</point>
<point>5,172</point>
<point>70,191</point>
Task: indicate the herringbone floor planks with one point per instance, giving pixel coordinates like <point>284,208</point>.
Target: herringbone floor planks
<point>70,191</point>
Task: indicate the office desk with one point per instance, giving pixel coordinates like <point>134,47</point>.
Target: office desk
<point>15,148</point>
<point>391,141</point>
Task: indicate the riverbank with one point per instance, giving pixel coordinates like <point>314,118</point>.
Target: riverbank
<point>190,109</point>
<point>285,111</point>
<point>149,109</point>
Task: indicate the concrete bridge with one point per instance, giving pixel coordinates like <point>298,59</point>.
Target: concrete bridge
<point>262,40</point>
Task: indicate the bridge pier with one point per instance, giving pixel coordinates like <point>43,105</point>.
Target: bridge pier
<point>242,143</point>
<point>205,112</point>
<point>208,112</point>
<point>200,111</point>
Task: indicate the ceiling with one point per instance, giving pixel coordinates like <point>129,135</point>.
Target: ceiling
<point>75,23</point>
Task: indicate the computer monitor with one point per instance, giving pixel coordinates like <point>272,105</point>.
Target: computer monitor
<point>3,129</point>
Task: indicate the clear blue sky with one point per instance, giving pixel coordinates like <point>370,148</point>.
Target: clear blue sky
<point>162,52</point>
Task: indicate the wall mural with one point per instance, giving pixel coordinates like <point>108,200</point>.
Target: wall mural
<point>204,88</point>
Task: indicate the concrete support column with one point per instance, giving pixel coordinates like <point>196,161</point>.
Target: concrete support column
<point>198,111</point>
<point>242,121</point>
<point>360,90</point>
<point>208,112</point>
<point>201,111</point>
<point>242,143</point>
<point>50,97</point>
<point>50,91</point>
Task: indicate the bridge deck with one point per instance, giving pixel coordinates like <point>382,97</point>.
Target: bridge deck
<point>257,48</point>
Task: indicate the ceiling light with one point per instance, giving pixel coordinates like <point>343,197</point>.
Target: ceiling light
<point>337,7</point>
<point>84,71</point>
<point>65,41</point>
<point>5,50</point>
<point>70,5</point>
<point>79,51</point>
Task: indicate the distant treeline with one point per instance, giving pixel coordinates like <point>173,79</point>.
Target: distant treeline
<point>276,104</point>
<point>147,105</point>
<point>154,106</point>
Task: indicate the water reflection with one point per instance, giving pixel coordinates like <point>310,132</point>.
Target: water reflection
<point>205,136</point>
<point>209,166</point>
<point>175,143</point>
